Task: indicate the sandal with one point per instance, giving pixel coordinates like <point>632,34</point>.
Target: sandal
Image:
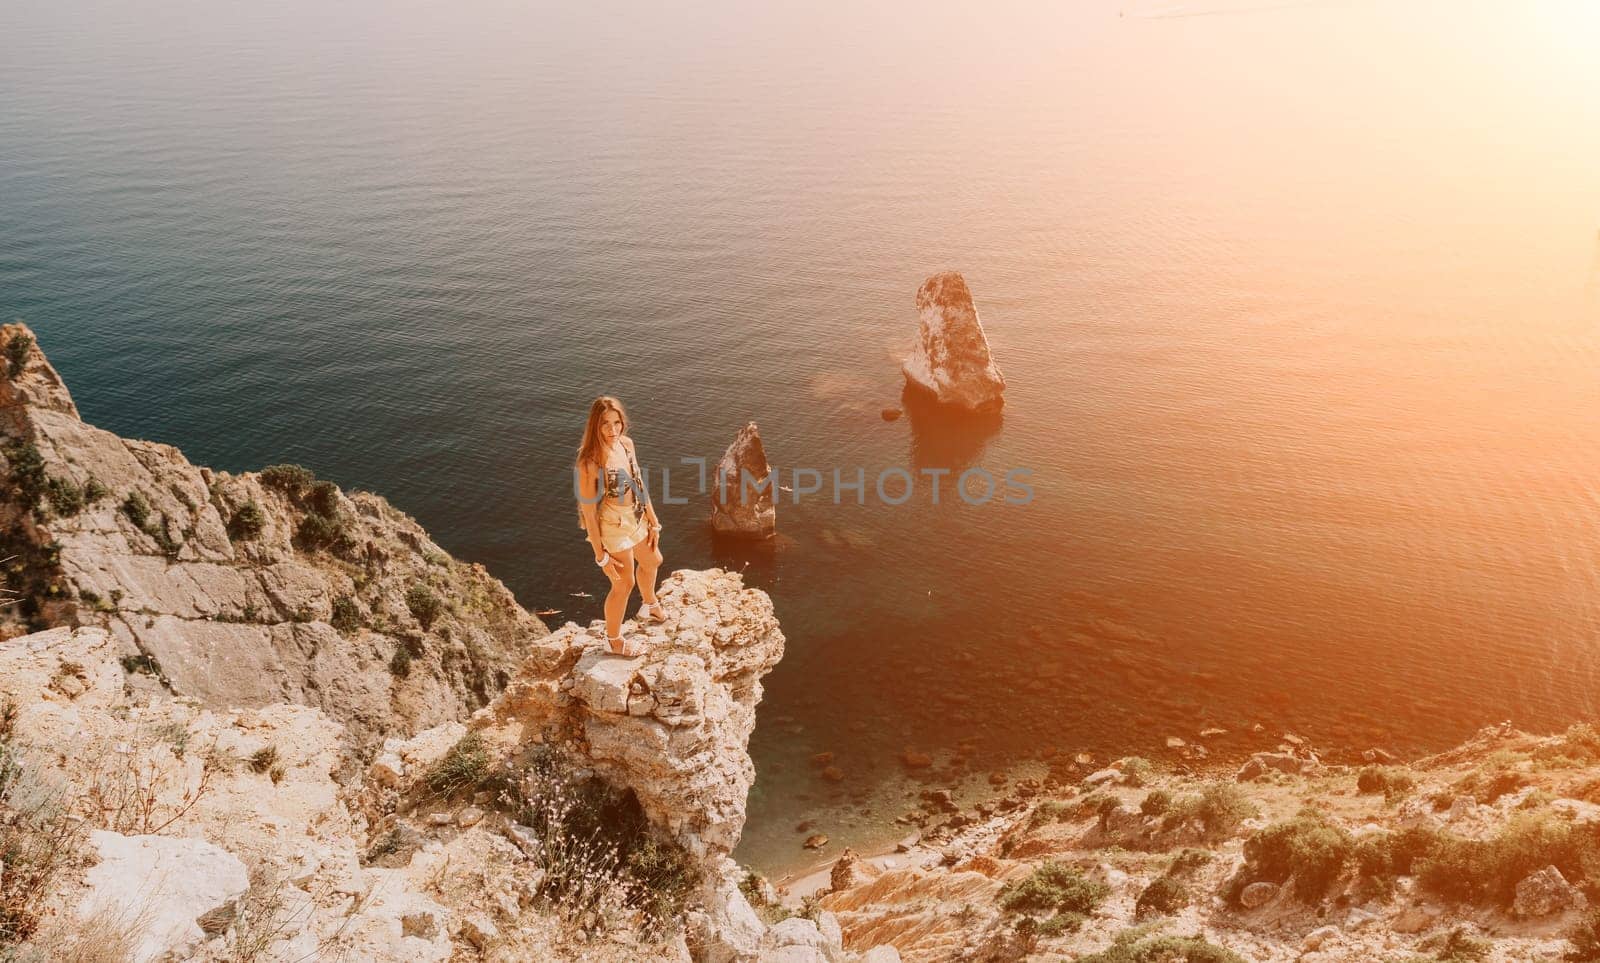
<point>631,648</point>
<point>652,612</point>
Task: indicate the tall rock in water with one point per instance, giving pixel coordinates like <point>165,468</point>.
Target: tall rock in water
<point>951,359</point>
<point>240,590</point>
<point>742,488</point>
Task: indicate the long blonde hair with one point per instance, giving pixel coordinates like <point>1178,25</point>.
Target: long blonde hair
<point>592,449</point>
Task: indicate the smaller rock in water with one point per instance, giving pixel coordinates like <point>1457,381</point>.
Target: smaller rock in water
<point>816,841</point>
<point>951,359</point>
<point>916,760</point>
<point>892,414</point>
<point>742,489</point>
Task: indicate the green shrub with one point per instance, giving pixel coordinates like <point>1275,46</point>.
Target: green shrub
<point>93,491</point>
<point>1130,948</point>
<point>1383,856</point>
<point>17,351</point>
<point>1487,871</point>
<point>1053,887</point>
<point>1058,924</point>
<point>1163,896</point>
<point>1390,781</point>
<point>27,472</point>
<point>137,508</point>
<point>346,615</point>
<point>424,605</point>
<point>1218,811</point>
<point>289,479</point>
<point>1049,811</point>
<point>466,764</point>
<point>1157,803</point>
<point>1490,783</point>
<point>246,523</point>
<point>400,662</point>
<point>157,530</point>
<point>1308,847</point>
<point>1137,769</point>
<point>65,497</point>
<point>318,531</point>
<point>324,498</point>
<point>753,889</point>
<point>1579,745</point>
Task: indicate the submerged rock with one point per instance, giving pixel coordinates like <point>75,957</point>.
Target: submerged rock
<point>951,359</point>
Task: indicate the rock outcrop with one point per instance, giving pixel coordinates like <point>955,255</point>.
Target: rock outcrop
<point>742,489</point>
<point>1453,856</point>
<point>207,651</point>
<point>242,590</point>
<point>235,827</point>
<point>951,359</point>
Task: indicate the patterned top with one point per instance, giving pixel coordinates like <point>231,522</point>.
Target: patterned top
<point>619,480</point>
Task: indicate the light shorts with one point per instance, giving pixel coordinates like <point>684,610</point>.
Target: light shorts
<point>619,529</point>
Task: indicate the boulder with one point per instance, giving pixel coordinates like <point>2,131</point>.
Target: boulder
<point>742,489</point>
<point>160,886</point>
<point>951,359</point>
<point>1546,893</point>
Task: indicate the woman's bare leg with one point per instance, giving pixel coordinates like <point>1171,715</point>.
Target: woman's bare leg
<point>621,589</point>
<point>649,560</point>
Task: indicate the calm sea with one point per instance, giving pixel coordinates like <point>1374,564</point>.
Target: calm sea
<point>1297,304</point>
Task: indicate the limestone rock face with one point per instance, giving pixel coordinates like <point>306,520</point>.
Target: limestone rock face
<point>742,489</point>
<point>243,590</point>
<point>671,726</point>
<point>172,882</point>
<point>329,871</point>
<point>32,382</point>
<point>951,359</point>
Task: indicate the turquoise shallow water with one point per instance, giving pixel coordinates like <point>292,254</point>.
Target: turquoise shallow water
<point>1297,308</point>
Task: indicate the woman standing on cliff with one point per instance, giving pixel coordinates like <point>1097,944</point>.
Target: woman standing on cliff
<point>615,509</point>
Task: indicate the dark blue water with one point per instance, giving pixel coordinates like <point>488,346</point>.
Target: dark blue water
<point>1302,354</point>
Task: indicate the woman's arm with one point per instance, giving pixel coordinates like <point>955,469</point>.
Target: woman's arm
<point>588,480</point>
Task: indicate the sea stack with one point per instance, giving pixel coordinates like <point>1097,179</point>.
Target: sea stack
<point>951,359</point>
<point>741,489</point>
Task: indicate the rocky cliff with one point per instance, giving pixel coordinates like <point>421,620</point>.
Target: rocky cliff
<point>194,659</point>
<point>241,590</point>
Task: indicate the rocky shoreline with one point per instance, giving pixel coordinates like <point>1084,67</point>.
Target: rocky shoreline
<point>1484,852</point>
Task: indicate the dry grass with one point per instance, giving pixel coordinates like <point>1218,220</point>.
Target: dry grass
<point>106,936</point>
<point>40,842</point>
<point>605,872</point>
